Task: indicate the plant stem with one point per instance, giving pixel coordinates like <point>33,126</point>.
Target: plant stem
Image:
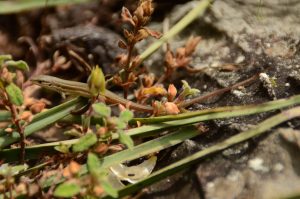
<point>128,68</point>
<point>20,129</point>
<point>218,92</point>
<point>197,11</point>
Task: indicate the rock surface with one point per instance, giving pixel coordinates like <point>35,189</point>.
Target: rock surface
<point>253,36</point>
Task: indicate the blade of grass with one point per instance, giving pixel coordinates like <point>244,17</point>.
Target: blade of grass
<point>131,154</point>
<point>42,120</point>
<point>253,108</point>
<point>141,150</point>
<point>185,119</point>
<point>9,7</point>
<point>184,163</point>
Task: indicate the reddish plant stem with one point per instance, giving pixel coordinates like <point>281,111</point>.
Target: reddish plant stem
<point>128,68</point>
<point>218,92</point>
<point>20,129</point>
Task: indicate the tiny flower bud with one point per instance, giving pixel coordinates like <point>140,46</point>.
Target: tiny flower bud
<point>122,107</point>
<point>37,107</point>
<point>98,190</point>
<point>74,167</point>
<point>171,108</point>
<point>102,131</point>
<point>8,130</point>
<point>101,148</point>
<point>172,91</point>
<point>26,115</point>
<point>96,81</point>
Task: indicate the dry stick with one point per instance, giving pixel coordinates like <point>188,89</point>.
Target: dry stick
<point>218,92</point>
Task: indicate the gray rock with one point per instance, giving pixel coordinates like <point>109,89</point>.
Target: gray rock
<point>271,171</point>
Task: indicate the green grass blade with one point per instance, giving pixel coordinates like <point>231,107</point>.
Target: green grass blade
<point>264,107</point>
<point>141,150</point>
<point>184,163</point>
<point>42,120</point>
<point>9,6</point>
<point>185,119</point>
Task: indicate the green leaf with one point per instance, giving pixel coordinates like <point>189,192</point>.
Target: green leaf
<point>126,115</point>
<point>93,164</point>
<point>21,65</point>
<point>73,133</point>
<point>6,169</point>
<point>15,94</point>
<point>85,142</point>
<point>126,139</point>
<point>109,189</point>
<point>63,148</point>
<point>120,124</point>
<point>187,90</point>
<point>4,58</point>
<point>102,110</point>
<point>66,190</point>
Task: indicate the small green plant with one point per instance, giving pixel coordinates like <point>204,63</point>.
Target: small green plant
<point>11,96</point>
<point>105,139</point>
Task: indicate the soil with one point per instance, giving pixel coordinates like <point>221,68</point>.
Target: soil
<point>239,40</point>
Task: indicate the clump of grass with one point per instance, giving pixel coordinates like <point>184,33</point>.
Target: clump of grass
<point>80,166</point>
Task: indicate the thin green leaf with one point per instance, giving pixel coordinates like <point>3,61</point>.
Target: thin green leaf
<point>192,159</point>
<point>85,142</point>
<point>146,130</point>
<point>15,94</point>
<point>66,190</point>
<point>42,120</point>
<point>227,111</point>
<point>142,150</point>
<point>8,6</point>
<point>21,65</point>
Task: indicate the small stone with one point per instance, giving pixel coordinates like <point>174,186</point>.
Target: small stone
<point>238,93</point>
<point>278,167</point>
<point>210,185</point>
<point>239,59</point>
<point>257,165</point>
